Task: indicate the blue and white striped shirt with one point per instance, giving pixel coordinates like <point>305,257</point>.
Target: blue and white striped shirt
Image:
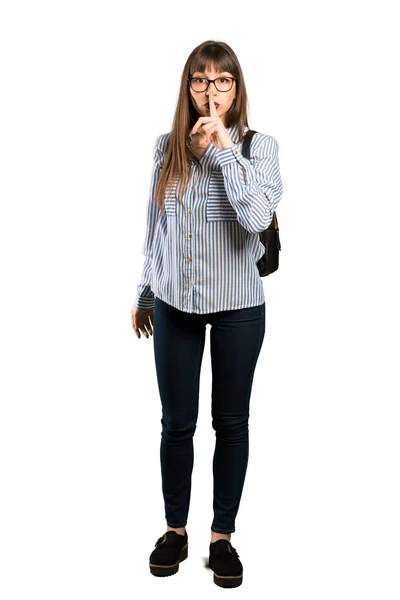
<point>201,256</point>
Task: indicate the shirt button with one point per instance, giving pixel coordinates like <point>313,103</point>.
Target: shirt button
<point>190,235</point>
<point>190,259</point>
<point>236,151</point>
<point>190,212</point>
<point>192,187</point>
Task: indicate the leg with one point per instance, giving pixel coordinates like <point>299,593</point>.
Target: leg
<point>179,339</point>
<point>236,340</point>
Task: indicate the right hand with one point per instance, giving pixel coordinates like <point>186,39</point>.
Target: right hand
<point>141,321</point>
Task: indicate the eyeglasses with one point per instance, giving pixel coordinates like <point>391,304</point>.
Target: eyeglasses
<point>200,84</point>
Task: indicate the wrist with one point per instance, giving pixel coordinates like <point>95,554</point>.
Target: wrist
<point>225,141</point>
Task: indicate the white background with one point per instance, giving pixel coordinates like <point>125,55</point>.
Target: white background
<point>86,87</point>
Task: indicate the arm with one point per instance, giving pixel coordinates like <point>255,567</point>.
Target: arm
<point>253,186</point>
<point>145,299</point>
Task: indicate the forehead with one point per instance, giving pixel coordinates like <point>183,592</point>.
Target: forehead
<point>211,73</point>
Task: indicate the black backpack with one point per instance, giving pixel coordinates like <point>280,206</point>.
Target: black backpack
<point>270,236</point>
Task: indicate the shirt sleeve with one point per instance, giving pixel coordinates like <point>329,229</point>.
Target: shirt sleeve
<point>145,298</point>
<point>253,186</point>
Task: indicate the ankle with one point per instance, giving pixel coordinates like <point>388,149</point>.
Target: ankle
<point>219,536</point>
<point>180,530</point>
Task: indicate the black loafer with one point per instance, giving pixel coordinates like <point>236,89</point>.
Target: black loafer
<point>224,561</point>
<point>171,549</point>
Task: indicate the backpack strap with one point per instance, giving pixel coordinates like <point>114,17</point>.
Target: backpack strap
<point>246,142</point>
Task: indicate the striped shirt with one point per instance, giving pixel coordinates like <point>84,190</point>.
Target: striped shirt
<point>201,256</point>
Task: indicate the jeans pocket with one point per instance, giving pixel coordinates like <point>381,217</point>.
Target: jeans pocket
<point>218,206</point>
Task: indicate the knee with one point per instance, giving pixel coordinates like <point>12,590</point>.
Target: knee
<point>233,429</point>
<point>177,429</point>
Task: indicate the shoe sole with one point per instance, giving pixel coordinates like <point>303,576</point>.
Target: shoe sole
<point>165,570</point>
<point>226,581</point>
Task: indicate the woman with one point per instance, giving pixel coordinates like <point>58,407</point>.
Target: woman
<point>206,207</point>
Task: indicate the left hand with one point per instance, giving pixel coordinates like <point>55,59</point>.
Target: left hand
<point>212,128</point>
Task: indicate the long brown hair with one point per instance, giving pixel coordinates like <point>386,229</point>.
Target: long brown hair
<point>176,164</point>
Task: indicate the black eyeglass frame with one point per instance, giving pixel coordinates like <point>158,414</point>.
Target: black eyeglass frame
<point>211,81</point>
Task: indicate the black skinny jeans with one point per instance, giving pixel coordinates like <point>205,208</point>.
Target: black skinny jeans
<point>236,337</point>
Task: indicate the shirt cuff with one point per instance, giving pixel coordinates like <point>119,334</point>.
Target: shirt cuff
<point>229,155</point>
<point>144,302</point>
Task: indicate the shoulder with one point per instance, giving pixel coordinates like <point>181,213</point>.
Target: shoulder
<point>265,142</point>
<point>161,142</point>
<point>160,147</point>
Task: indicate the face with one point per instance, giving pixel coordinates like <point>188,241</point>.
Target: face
<point>224,99</point>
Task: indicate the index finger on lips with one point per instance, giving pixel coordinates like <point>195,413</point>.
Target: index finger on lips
<point>213,110</point>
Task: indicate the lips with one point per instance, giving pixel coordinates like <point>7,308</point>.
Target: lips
<point>207,104</point>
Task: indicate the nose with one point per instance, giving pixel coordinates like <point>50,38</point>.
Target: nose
<point>209,89</point>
